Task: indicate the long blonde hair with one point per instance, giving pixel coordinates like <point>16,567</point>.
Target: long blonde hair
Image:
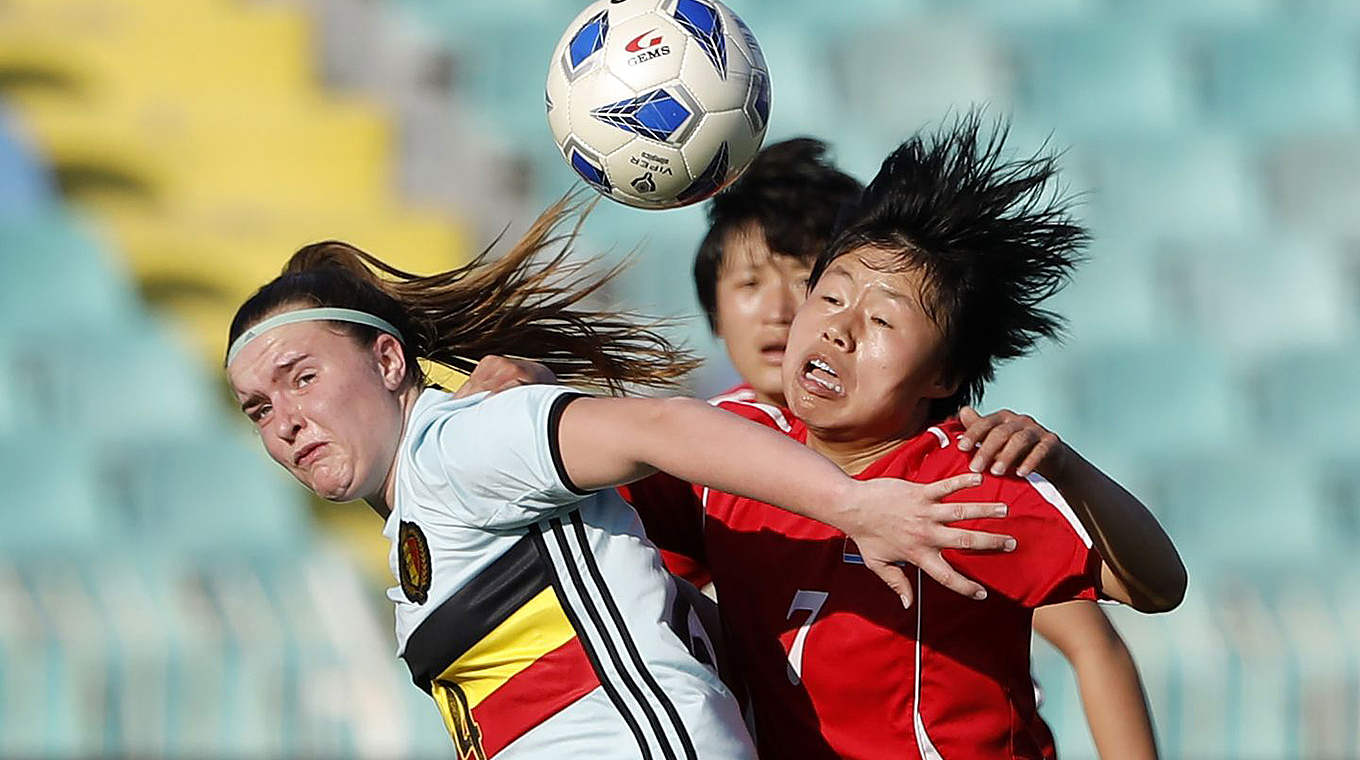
<point>516,305</point>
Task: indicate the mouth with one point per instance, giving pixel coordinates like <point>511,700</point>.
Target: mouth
<point>307,454</point>
<point>772,353</point>
<point>819,378</point>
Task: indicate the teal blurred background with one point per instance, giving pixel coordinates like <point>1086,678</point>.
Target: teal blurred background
<point>166,591</point>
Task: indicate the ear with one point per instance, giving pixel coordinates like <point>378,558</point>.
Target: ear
<point>391,361</point>
<point>943,386</point>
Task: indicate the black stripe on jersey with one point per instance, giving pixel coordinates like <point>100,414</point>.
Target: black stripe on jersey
<point>593,567</point>
<point>578,582</point>
<point>541,544</point>
<point>475,610</point>
<point>559,405</point>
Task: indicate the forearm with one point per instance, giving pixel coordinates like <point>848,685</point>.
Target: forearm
<point>619,440</point>
<point>1116,707</point>
<point>1111,693</point>
<point>1130,540</point>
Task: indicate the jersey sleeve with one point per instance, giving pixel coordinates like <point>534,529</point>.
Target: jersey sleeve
<point>498,462</point>
<point>1053,561</point>
<point>672,515</point>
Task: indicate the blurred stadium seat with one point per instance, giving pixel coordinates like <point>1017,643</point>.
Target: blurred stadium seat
<point>1107,77</point>
<point>1305,398</point>
<point>1154,397</point>
<point>52,504</point>
<point>1171,183</point>
<point>1253,295</point>
<point>207,495</point>
<point>1312,185</point>
<point>26,185</point>
<point>68,277</point>
<point>1279,77</point>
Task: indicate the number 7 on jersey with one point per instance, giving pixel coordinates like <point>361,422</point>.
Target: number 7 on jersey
<point>811,601</point>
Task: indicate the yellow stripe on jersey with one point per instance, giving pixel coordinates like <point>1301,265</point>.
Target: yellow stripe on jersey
<point>535,629</point>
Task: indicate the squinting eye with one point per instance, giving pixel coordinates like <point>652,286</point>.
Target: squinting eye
<point>880,322</point>
<point>832,300</point>
<point>259,413</point>
<point>747,284</point>
<point>306,379</point>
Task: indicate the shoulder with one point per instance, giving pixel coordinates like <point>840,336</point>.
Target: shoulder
<point>765,414</point>
<point>444,432</point>
<point>742,392</point>
<point>1032,496</point>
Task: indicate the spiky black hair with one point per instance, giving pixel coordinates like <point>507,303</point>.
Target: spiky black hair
<point>993,236</point>
<point>792,193</point>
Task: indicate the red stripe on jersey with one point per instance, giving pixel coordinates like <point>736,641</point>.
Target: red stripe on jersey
<point>534,695</point>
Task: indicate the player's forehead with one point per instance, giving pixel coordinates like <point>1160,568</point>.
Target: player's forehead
<point>881,276</point>
<point>258,366</point>
<point>745,248</point>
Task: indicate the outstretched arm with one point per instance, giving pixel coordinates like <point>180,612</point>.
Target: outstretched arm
<point>605,442</point>
<point>1111,693</point>
<point>1141,566</point>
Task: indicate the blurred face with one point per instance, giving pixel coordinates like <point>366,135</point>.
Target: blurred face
<point>327,409</point>
<point>864,358</point>
<point>757,293</point>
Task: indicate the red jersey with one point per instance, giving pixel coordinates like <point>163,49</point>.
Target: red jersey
<point>837,668</point>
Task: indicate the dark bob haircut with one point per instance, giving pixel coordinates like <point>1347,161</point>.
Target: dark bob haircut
<point>791,193</point>
<point>993,237</point>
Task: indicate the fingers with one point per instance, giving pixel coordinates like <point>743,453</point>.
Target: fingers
<point>497,373</point>
<point>955,511</point>
<point>945,575</point>
<point>968,416</point>
<point>1022,427</point>
<point>942,488</point>
<point>1044,449</point>
<point>973,540</point>
<point>893,576</point>
<point>1019,444</point>
<point>977,427</point>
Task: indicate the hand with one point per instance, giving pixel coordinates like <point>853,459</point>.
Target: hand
<point>1003,438</point>
<point>497,373</point>
<point>900,521</point>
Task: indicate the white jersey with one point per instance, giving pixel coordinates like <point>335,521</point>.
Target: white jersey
<point>537,615</point>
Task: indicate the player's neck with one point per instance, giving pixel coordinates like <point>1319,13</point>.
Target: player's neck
<point>385,497</point>
<point>772,400</point>
<point>853,452</point>
<point>853,457</point>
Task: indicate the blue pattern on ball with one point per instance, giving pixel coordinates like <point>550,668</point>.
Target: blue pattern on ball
<point>589,171</point>
<point>656,115</point>
<point>703,21</point>
<point>709,180</point>
<point>588,39</point>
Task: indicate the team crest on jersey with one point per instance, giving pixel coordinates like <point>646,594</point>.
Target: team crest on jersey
<point>413,560</point>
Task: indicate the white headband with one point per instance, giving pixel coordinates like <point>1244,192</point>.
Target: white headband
<point>310,315</point>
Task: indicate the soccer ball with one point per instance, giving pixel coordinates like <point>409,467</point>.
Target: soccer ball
<point>658,103</point>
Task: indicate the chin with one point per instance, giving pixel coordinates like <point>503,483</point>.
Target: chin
<point>332,489</point>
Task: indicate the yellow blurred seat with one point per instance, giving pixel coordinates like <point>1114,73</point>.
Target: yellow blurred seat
<point>204,266</point>
<point>322,153</point>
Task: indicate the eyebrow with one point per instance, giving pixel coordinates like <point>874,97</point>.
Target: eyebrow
<point>283,366</point>
<point>893,294</point>
<point>840,270</point>
<point>286,365</point>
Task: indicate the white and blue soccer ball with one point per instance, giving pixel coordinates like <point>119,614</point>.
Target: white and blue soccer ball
<point>658,103</point>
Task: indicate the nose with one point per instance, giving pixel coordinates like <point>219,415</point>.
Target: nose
<point>288,421</point>
<point>779,305</point>
<point>837,332</point>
